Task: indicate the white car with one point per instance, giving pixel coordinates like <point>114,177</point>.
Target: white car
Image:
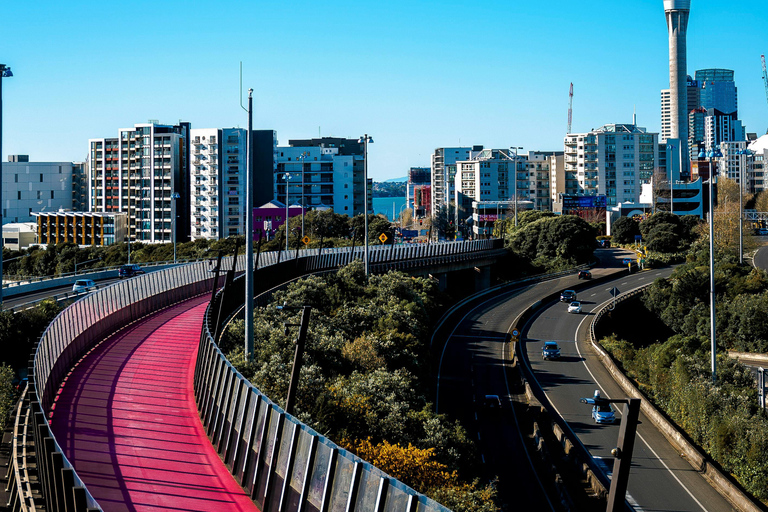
<point>84,285</point>
<point>574,307</point>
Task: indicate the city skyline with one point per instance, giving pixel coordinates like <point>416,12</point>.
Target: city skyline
<point>415,77</point>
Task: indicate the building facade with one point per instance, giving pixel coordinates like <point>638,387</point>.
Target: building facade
<point>443,174</point>
<point>325,173</point>
<point>614,160</point>
<point>144,172</point>
<point>418,191</point>
<point>81,228</point>
<point>30,187</point>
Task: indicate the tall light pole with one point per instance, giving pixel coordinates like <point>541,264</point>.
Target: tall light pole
<point>364,140</point>
<point>514,176</point>
<point>746,153</point>
<point>249,264</point>
<point>5,72</point>
<point>286,177</point>
<point>303,155</point>
<point>710,156</point>
<point>174,197</point>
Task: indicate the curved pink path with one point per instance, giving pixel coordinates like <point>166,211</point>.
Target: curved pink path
<point>126,418</point>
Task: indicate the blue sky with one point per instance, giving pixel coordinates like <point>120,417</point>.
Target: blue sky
<point>414,75</point>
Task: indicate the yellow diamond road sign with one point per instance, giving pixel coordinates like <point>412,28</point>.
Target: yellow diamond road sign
<point>383,238</point>
<point>305,240</point>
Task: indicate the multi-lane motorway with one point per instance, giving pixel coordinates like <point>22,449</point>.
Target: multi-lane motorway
<point>472,366</point>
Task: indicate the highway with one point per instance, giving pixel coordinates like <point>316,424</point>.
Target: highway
<point>660,478</point>
<point>472,366</point>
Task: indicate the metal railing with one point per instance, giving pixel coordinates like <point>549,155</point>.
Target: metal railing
<point>233,411</point>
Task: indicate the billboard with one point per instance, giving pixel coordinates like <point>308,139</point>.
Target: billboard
<point>572,202</point>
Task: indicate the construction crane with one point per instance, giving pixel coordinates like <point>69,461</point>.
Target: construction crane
<point>765,76</point>
<point>570,102</point>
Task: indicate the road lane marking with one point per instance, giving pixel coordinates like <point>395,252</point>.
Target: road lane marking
<point>584,362</point>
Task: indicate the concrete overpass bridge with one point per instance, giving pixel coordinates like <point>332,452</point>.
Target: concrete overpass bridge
<point>131,405</point>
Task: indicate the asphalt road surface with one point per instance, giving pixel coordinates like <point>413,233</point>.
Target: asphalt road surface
<point>660,479</point>
<point>472,366</point>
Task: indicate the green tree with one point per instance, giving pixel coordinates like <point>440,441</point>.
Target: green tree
<point>624,230</point>
<point>555,242</point>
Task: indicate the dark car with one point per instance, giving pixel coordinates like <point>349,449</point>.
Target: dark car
<point>492,403</point>
<point>585,274</point>
<point>129,271</point>
<point>550,350</point>
<point>568,296</point>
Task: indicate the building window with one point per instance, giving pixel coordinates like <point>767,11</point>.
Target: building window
<point>41,177</point>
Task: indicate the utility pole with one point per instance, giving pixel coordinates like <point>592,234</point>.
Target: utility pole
<point>249,270</point>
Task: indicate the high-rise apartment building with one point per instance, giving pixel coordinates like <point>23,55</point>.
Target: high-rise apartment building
<point>486,175</point>
<point>614,160</point>
<point>539,168</point>
<point>30,187</point>
<point>443,169</point>
<point>323,173</point>
<point>139,173</point>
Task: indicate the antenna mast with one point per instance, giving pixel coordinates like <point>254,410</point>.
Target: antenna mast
<point>570,108</point>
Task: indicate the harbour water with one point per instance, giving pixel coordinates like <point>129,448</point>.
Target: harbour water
<point>388,205</point>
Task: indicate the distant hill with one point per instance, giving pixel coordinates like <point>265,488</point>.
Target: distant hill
<point>397,180</point>
<point>389,188</point>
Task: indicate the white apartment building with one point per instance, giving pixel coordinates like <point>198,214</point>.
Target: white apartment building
<point>540,167</point>
<point>217,186</point>
<point>144,172</point>
<point>614,160</point>
<point>319,177</point>
<point>443,174</point>
<point>30,187</point>
<point>486,176</point>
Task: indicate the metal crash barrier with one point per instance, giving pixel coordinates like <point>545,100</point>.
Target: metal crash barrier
<point>281,462</point>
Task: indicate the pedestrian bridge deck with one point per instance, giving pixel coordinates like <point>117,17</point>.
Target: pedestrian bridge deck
<point>126,419</point>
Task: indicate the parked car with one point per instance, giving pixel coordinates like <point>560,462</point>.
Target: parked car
<point>129,270</point>
<point>574,307</point>
<point>603,413</point>
<point>568,296</point>
<point>550,350</point>
<point>84,285</point>
<point>585,274</point>
<point>492,403</point>
<point>605,244</point>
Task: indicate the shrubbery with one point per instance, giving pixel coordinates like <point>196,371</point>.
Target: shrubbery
<point>366,377</point>
<point>723,419</point>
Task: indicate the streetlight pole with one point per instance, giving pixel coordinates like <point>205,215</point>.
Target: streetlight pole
<point>286,177</point>
<point>303,155</point>
<point>365,139</point>
<point>5,72</point>
<point>746,153</point>
<point>174,197</point>
<point>514,176</point>
<point>710,156</point>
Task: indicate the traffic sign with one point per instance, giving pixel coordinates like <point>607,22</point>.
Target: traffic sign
<point>383,238</point>
<point>614,291</point>
<point>515,333</point>
<point>306,240</point>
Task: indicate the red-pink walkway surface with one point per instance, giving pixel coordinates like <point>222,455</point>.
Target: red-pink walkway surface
<point>126,418</point>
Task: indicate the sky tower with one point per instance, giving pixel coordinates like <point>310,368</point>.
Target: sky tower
<point>677,25</point>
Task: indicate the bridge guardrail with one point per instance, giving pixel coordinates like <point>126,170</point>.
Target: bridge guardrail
<point>91,319</point>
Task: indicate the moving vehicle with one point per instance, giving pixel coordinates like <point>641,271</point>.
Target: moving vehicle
<point>129,270</point>
<point>568,296</point>
<point>492,403</point>
<point>574,307</point>
<point>550,350</point>
<point>603,413</point>
<point>585,274</point>
<point>84,285</point>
